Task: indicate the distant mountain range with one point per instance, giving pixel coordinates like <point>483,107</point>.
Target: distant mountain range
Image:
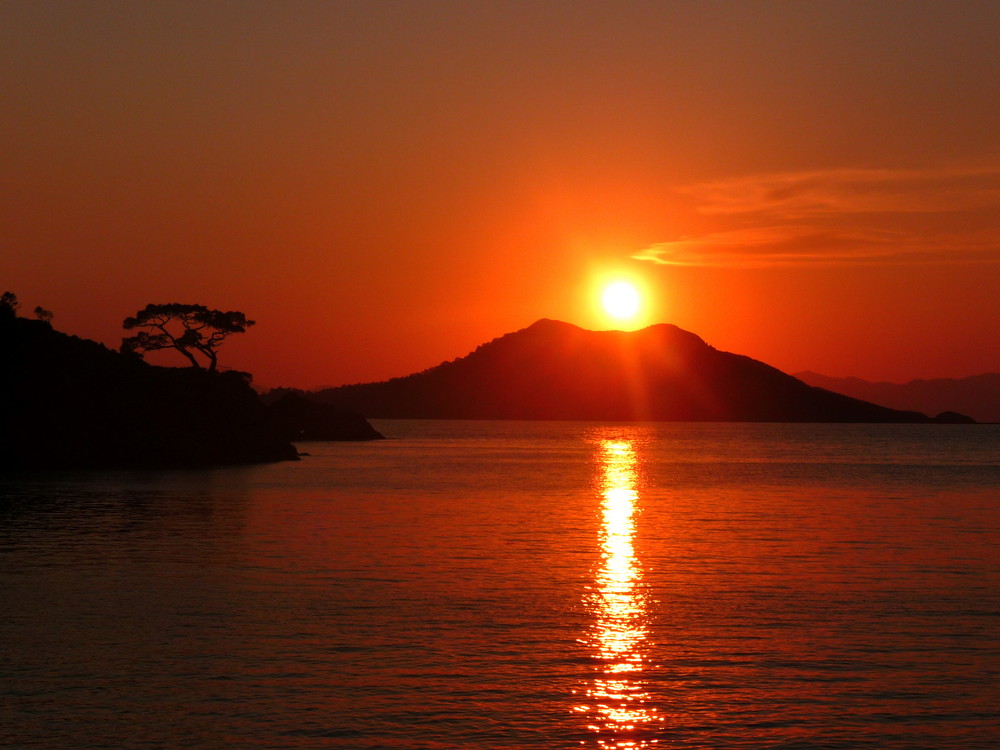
<point>978,396</point>
<point>554,370</point>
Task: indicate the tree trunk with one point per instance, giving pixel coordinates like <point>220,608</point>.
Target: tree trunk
<point>194,362</point>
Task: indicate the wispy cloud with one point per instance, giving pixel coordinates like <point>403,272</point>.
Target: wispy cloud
<point>842,216</point>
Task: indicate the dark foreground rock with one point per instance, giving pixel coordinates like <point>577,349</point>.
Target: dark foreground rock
<point>953,417</point>
<point>70,403</point>
<point>297,417</point>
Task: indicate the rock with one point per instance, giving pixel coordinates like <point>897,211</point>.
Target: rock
<point>297,417</point>
<point>953,417</point>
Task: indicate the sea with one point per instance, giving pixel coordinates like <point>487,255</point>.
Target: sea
<point>507,585</point>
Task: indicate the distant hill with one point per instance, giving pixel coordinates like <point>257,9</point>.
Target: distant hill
<point>978,396</point>
<point>554,370</point>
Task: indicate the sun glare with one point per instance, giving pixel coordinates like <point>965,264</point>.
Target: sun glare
<point>621,300</point>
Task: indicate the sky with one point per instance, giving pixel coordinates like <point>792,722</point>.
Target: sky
<point>383,186</point>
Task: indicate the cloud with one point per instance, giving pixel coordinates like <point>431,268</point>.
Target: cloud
<point>842,216</point>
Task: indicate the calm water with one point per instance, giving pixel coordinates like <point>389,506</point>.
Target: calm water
<point>517,585</point>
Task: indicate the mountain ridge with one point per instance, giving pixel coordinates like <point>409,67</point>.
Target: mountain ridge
<point>975,395</point>
<point>557,370</point>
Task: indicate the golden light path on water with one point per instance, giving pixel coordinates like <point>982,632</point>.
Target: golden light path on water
<point>617,710</point>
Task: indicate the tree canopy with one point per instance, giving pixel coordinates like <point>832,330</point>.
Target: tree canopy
<point>190,329</point>
<point>8,305</point>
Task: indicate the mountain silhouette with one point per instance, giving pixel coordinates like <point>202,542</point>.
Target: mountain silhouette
<point>555,370</point>
<point>978,395</point>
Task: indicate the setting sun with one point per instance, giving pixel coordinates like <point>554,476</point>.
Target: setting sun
<point>621,300</point>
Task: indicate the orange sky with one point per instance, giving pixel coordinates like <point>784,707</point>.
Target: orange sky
<point>386,185</point>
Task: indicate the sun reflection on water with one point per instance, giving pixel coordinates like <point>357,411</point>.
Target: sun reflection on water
<point>618,712</point>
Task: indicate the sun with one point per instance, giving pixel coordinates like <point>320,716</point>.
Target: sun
<point>621,300</point>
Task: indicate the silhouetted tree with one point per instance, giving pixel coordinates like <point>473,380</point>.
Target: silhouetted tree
<point>43,315</point>
<point>189,329</point>
<point>8,305</point>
